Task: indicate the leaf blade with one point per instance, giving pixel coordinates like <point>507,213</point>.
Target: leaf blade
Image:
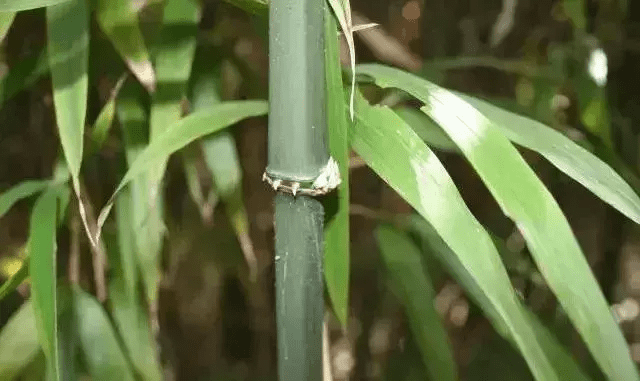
<point>524,198</point>
<point>416,292</point>
<point>418,176</point>
<point>336,233</point>
<point>42,267</point>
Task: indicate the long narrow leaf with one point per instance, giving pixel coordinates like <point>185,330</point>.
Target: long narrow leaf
<point>16,279</point>
<point>336,233</point>
<point>567,156</point>
<point>23,5</point>
<point>183,132</point>
<point>416,292</point>
<point>18,342</point>
<point>6,20</point>
<point>398,155</point>
<point>23,74</point>
<point>102,353</point>
<point>118,19</point>
<point>42,267</point>
<point>524,198</point>
<point>21,191</point>
<point>566,367</point>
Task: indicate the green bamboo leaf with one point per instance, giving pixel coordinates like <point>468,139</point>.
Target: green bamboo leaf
<point>342,11</point>
<point>566,367</point>
<point>118,19</point>
<point>23,5</point>
<point>524,198</point>
<point>15,280</point>
<point>221,155</point>
<point>42,267</point>
<point>570,158</point>
<point>101,352</point>
<point>21,191</point>
<point>18,342</point>
<point>146,220</point>
<point>394,151</point>
<point>428,131</point>
<point>68,49</point>
<point>415,291</point>
<point>127,311</point>
<point>183,132</point>
<point>36,370</point>
<point>104,121</point>
<point>336,233</point>
<point>6,20</point>
<point>23,74</point>
<point>257,7</point>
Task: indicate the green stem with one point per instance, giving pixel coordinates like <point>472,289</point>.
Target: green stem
<point>297,153</point>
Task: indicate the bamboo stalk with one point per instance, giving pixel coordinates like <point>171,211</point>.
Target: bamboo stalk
<point>297,157</point>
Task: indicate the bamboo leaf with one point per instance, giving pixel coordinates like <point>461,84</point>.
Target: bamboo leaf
<point>428,131</point>
<point>183,132</point>
<point>68,51</point>
<point>566,367</point>
<point>524,198</point>
<point>42,267</point>
<point>21,191</point>
<point>6,20</point>
<point>102,353</point>
<point>415,291</point>
<point>398,155</point>
<point>257,7</point>
<point>342,11</point>
<point>570,158</point>
<point>15,280</point>
<point>128,314</point>
<point>23,5</point>
<point>24,74</point>
<point>104,121</point>
<point>336,233</point>
<point>145,219</point>
<point>18,342</point>
<point>118,19</point>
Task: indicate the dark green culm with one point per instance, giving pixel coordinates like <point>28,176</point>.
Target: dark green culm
<point>297,154</point>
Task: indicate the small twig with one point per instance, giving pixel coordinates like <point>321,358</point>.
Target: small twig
<point>74,249</point>
<point>327,375</point>
<point>98,251</point>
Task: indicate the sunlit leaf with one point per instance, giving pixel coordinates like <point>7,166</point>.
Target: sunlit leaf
<point>524,198</point>
<point>567,156</point>
<point>565,365</point>
<point>68,51</point>
<point>6,20</point>
<point>23,5</point>
<point>342,11</point>
<point>415,291</point>
<point>336,233</point>
<point>18,342</point>
<point>394,151</point>
<point>15,280</point>
<point>101,351</point>
<point>42,267</point>
<point>118,19</point>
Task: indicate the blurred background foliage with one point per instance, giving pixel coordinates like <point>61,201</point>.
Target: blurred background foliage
<point>200,307</point>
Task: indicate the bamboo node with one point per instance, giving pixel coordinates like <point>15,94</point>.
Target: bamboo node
<point>327,181</point>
